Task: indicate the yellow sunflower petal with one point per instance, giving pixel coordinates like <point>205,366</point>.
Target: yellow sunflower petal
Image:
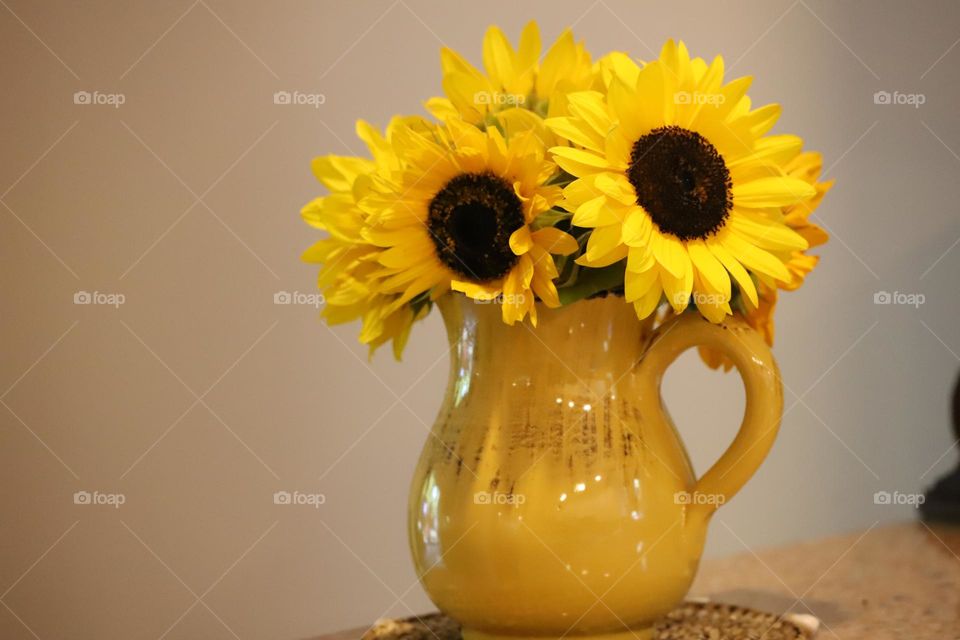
<point>418,286</point>
<point>407,254</point>
<point>761,120</point>
<point>578,162</point>
<point>498,56</point>
<point>312,213</point>
<point>559,59</point>
<point>595,213</point>
<point>705,96</point>
<point>670,254</point>
<point>776,150</point>
<point>616,254</point>
<point>477,290</point>
<point>555,241</point>
<point>766,233</point>
<point>754,258</point>
<point>640,259</point>
<point>771,192</point>
<point>468,93</point>
<point>618,64</point>
<point>521,241</point>
<point>528,51</point>
<point>578,192</point>
<point>676,59</point>
<point>617,187</point>
<point>577,131</point>
<point>545,290</point>
<point>733,92</point>
<point>603,240</point>
<point>652,110</point>
<point>337,173</point>
<point>650,301</point>
<point>516,297</point>
<point>451,61</point>
<point>709,268</point>
<point>618,149</point>
<point>383,237</point>
<point>626,104</point>
<point>543,262</point>
<point>637,228</point>
<point>590,107</point>
<point>441,108</point>
<point>637,285</point>
<point>677,290</point>
<point>733,266</point>
<point>711,305</point>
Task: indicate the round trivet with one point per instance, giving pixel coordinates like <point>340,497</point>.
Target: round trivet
<point>689,621</point>
<point>715,621</point>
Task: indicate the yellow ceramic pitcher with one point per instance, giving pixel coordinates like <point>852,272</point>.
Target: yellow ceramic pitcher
<point>553,498</point>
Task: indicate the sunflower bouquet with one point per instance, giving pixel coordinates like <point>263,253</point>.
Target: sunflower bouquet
<point>546,178</point>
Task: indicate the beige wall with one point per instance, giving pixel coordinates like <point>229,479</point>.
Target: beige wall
<point>198,397</point>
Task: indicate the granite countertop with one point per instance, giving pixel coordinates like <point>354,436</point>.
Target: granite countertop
<point>888,582</point>
<point>884,583</point>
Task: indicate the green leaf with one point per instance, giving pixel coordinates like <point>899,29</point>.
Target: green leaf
<point>592,281</point>
<point>550,218</point>
<point>419,302</point>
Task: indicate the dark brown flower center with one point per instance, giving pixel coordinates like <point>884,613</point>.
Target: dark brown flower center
<point>682,181</point>
<point>471,219</point>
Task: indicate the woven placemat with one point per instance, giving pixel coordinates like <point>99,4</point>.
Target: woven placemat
<point>689,621</point>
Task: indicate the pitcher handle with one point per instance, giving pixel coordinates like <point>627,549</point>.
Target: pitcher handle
<point>764,397</point>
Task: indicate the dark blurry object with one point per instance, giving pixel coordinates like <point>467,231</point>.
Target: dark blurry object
<point>942,502</point>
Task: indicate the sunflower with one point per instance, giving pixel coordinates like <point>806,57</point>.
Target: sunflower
<point>808,167</point>
<point>460,216</point>
<point>516,81</point>
<point>348,262</point>
<point>676,177</point>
